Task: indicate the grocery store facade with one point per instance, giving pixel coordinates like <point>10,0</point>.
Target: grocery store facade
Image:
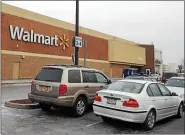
<point>31,40</point>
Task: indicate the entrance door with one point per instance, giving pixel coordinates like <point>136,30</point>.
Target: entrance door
<point>126,73</point>
<point>15,70</point>
<point>148,71</point>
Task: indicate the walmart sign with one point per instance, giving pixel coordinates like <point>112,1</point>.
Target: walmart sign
<point>32,37</point>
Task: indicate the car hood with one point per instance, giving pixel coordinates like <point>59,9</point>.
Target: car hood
<point>178,90</point>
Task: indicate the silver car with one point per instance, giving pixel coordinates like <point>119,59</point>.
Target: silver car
<point>67,85</point>
<point>137,101</point>
<point>176,84</point>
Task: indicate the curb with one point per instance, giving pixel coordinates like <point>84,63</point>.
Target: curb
<point>16,84</point>
<point>22,106</point>
<point>10,82</point>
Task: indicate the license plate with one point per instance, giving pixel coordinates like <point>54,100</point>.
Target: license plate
<point>111,101</point>
<point>43,88</point>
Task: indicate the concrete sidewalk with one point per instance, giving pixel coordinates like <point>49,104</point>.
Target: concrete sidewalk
<point>21,81</point>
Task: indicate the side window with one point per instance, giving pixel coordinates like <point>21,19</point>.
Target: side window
<point>155,90</point>
<point>89,77</point>
<point>74,76</point>
<point>164,90</point>
<point>149,92</point>
<point>101,78</point>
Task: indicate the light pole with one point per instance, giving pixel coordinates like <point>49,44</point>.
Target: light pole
<point>77,31</point>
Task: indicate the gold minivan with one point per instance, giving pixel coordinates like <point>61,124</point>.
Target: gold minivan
<point>67,85</point>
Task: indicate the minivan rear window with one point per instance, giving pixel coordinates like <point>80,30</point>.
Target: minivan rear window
<point>50,75</point>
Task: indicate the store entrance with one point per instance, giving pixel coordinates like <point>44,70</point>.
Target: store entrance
<point>133,70</point>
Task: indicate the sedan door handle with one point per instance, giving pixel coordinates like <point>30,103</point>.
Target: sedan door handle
<point>153,100</point>
<point>87,86</point>
<point>166,99</point>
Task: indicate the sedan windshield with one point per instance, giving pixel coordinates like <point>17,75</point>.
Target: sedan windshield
<point>175,83</point>
<point>130,87</point>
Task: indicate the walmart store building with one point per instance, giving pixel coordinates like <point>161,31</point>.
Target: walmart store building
<point>31,40</point>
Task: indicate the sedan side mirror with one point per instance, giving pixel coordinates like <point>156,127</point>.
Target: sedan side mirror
<point>174,94</point>
<point>109,81</point>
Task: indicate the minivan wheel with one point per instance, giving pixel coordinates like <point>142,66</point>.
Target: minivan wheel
<point>45,107</point>
<point>79,107</point>
<point>180,111</point>
<point>150,120</point>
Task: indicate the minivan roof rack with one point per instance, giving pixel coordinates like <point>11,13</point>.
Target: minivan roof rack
<point>64,65</point>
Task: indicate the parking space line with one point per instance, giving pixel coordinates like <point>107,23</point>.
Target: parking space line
<point>89,125</point>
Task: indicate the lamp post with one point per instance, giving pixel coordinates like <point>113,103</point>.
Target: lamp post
<point>77,31</point>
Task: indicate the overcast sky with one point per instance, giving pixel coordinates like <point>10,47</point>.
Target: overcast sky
<point>143,22</point>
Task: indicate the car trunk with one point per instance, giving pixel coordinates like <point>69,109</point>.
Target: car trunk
<point>112,98</point>
<point>47,82</point>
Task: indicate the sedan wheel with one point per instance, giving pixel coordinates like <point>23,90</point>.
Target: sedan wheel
<point>180,111</point>
<point>150,120</point>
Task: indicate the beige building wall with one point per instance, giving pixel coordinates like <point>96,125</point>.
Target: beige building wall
<point>123,52</point>
<point>27,70</point>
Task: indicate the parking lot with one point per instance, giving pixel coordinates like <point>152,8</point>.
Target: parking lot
<point>57,121</point>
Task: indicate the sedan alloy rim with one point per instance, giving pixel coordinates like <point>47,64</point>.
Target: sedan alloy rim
<point>181,110</point>
<point>80,107</point>
<point>151,119</point>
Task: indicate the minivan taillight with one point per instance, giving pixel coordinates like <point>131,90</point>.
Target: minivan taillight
<point>131,103</point>
<point>62,89</point>
<point>97,98</point>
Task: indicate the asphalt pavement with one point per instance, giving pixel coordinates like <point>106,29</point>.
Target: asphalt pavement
<point>57,121</point>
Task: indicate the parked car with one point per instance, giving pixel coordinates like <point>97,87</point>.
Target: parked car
<point>156,76</point>
<point>168,75</point>
<point>142,78</point>
<point>67,85</point>
<point>181,74</point>
<point>176,84</point>
<point>137,101</point>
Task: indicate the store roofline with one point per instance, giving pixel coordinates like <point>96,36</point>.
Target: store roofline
<point>23,13</point>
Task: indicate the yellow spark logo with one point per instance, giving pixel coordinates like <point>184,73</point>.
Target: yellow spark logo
<point>64,40</point>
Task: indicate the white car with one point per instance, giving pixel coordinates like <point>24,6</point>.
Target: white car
<point>181,74</point>
<point>176,84</point>
<point>158,77</point>
<point>137,101</point>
